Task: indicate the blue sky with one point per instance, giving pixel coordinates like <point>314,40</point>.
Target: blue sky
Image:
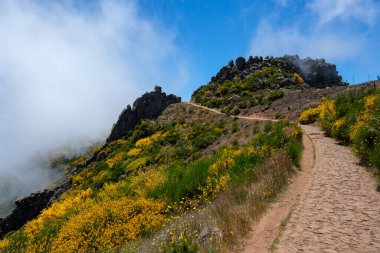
<point>68,67</point>
<point>209,33</point>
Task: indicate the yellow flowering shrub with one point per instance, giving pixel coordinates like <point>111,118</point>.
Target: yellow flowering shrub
<point>100,176</point>
<point>370,102</point>
<point>106,226</point>
<point>369,106</point>
<point>3,244</point>
<point>77,180</point>
<point>113,190</point>
<point>309,116</point>
<point>137,164</point>
<point>156,136</point>
<point>113,160</point>
<point>219,178</point>
<point>145,142</point>
<point>145,181</point>
<point>299,79</point>
<point>221,166</point>
<point>119,142</point>
<point>337,126</point>
<point>55,211</point>
<point>327,114</point>
<point>134,152</point>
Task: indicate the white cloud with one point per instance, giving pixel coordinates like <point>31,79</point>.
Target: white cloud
<point>345,10</point>
<point>332,29</point>
<point>66,72</point>
<point>271,40</point>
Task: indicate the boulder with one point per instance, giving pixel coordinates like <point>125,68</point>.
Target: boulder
<point>26,209</point>
<point>316,73</point>
<point>240,63</point>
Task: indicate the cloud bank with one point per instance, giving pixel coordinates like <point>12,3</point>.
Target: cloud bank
<point>66,72</point>
<point>331,29</point>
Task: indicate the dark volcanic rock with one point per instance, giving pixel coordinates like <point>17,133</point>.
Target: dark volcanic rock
<point>26,209</point>
<point>148,106</point>
<point>316,73</point>
<point>240,63</point>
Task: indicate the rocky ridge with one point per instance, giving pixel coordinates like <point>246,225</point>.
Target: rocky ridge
<point>315,72</point>
<point>148,106</point>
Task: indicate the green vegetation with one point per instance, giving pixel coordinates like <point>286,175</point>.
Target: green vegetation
<point>159,175</point>
<point>244,93</point>
<point>353,117</point>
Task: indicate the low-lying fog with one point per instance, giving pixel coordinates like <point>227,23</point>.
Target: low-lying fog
<point>66,72</point>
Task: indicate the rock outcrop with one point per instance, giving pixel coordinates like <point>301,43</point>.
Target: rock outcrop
<point>148,106</point>
<point>26,209</point>
<point>316,73</point>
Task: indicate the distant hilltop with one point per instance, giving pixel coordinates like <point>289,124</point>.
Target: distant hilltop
<point>315,72</point>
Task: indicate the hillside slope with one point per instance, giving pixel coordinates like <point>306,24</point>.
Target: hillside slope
<point>187,162</point>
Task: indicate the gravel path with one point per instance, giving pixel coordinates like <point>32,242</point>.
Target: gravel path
<point>339,210</point>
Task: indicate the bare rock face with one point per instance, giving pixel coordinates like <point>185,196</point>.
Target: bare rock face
<point>240,63</point>
<point>148,106</point>
<point>317,73</point>
<point>27,208</point>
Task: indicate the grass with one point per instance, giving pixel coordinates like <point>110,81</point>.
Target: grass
<point>283,224</point>
<point>183,180</point>
<point>236,209</point>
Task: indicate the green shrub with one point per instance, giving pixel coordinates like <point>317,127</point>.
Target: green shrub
<point>185,246</point>
<point>183,180</point>
<point>274,95</point>
<point>268,126</point>
<point>235,127</point>
<point>294,151</point>
<point>214,102</point>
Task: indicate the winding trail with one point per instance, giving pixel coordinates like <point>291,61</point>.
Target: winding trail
<point>330,206</point>
<point>238,116</point>
<point>340,208</point>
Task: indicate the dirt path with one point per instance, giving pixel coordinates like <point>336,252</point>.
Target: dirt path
<point>339,210</point>
<point>268,228</point>
<point>238,116</point>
